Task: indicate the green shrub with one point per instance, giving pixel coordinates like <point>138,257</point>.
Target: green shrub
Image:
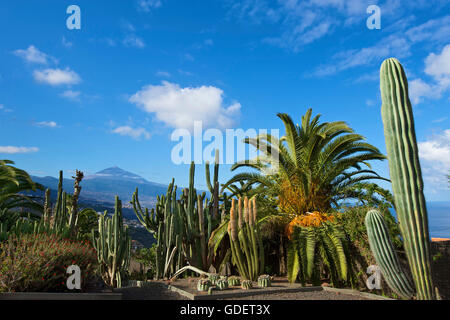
<point>38,263</point>
<point>351,219</point>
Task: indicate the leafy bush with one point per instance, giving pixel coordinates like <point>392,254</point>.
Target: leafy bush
<point>38,263</point>
<point>351,219</point>
<point>146,256</point>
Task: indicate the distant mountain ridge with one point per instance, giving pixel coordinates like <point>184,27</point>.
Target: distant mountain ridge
<point>104,185</point>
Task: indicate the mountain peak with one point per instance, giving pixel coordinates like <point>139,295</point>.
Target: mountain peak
<point>117,173</point>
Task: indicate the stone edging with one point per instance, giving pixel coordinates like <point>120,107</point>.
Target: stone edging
<point>59,296</point>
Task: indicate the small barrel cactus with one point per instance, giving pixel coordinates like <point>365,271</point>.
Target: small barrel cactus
<point>246,284</point>
<point>222,284</point>
<point>234,281</point>
<point>203,285</point>
<point>264,281</point>
<point>213,278</point>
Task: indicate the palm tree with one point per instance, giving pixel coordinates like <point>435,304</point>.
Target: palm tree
<point>313,167</point>
<point>13,183</point>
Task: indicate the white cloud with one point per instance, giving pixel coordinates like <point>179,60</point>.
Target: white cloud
<point>135,133</point>
<point>133,41</point>
<point>48,124</point>
<point>438,67</point>
<point>14,150</point>
<point>180,107</point>
<point>147,5</point>
<point>436,30</point>
<point>33,55</point>
<point>66,43</point>
<point>57,77</point>
<point>163,74</point>
<point>437,149</point>
<point>390,46</point>
<point>4,109</point>
<point>300,22</point>
<point>434,154</point>
<point>419,89</point>
<point>440,120</point>
<point>71,95</point>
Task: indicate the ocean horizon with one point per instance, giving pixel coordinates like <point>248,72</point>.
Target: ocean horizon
<point>438,219</point>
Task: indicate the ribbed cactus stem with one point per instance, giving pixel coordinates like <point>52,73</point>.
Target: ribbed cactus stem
<point>233,226</point>
<point>385,255</point>
<point>246,243</point>
<point>113,246</point>
<point>241,217</point>
<point>405,172</point>
<point>246,213</point>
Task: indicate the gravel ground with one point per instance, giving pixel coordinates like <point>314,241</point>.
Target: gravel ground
<point>158,291</point>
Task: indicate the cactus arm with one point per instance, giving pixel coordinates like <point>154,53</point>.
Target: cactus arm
<point>385,255</point>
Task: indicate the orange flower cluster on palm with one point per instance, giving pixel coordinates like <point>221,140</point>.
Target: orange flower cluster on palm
<point>292,198</point>
<point>315,219</point>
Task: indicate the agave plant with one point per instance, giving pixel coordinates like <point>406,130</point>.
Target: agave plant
<point>312,167</point>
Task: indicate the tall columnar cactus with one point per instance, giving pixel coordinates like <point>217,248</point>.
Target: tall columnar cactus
<point>405,172</point>
<point>63,217</point>
<point>385,255</point>
<point>113,246</point>
<point>182,227</point>
<point>245,239</point>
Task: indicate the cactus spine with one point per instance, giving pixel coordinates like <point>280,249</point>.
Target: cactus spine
<point>385,255</point>
<point>245,239</point>
<point>113,246</point>
<point>405,172</point>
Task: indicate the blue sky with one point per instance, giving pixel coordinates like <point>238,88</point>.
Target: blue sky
<point>113,92</point>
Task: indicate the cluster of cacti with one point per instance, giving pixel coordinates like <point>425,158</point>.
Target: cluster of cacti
<point>405,173</point>
<point>246,284</point>
<point>384,253</point>
<point>222,284</point>
<point>203,285</point>
<point>182,226</point>
<point>113,246</point>
<point>234,281</point>
<point>63,218</point>
<point>245,239</point>
<point>264,281</point>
